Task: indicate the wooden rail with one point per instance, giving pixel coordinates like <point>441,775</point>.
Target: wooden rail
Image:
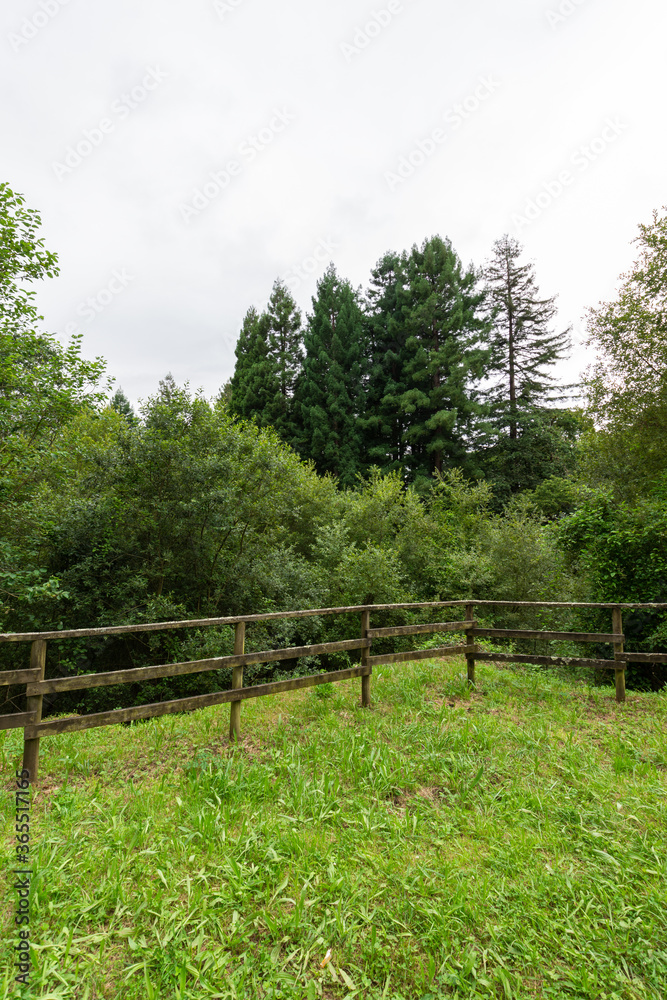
<point>36,685</point>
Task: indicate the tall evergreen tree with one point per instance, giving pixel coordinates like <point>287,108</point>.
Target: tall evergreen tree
<point>285,336</point>
<point>329,390</point>
<point>385,423</point>
<point>268,359</point>
<point>255,383</point>
<point>121,404</point>
<point>527,438</point>
<point>446,347</point>
<point>285,339</point>
<point>524,347</point>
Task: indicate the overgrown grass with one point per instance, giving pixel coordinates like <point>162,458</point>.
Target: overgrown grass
<point>508,843</point>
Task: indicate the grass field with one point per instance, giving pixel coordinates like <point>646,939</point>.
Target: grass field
<point>508,843</point>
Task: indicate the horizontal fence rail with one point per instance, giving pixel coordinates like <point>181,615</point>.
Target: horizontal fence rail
<point>133,676</point>
<point>79,722</point>
<point>36,685</point>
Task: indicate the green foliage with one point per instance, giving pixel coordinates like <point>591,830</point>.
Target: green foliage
<point>254,385</point>
<point>524,348</point>
<point>524,440</point>
<point>527,563</point>
<point>620,550</point>
<point>23,259</point>
<point>121,404</point>
<point>43,385</point>
<point>189,503</point>
<point>630,333</point>
<point>545,445</point>
<point>268,360</point>
<point>385,423</point>
<point>285,350</point>
<point>627,384</point>
<point>445,354</point>
<point>329,390</point>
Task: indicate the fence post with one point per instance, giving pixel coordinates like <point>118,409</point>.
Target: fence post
<point>365,656</point>
<point>470,642</point>
<point>34,704</point>
<point>237,682</point>
<point>617,629</point>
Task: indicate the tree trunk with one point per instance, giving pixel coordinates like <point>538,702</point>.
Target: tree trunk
<point>511,357</point>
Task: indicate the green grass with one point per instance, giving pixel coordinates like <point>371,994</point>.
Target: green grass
<point>511,843</point>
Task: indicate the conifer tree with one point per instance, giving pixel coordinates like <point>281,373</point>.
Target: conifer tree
<point>385,423</point>
<point>285,339</point>
<point>446,354</point>
<point>527,438</point>
<point>285,336</point>
<point>524,348</point>
<point>329,390</point>
<point>121,404</point>
<point>255,383</point>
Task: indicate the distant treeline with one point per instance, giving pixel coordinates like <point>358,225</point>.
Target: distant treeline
<point>434,367</point>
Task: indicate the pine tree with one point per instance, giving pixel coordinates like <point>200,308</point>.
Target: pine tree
<point>121,404</point>
<point>527,438</point>
<point>255,383</point>
<point>385,423</point>
<point>285,336</point>
<point>285,339</point>
<point>524,348</point>
<point>446,347</point>
<point>329,390</point>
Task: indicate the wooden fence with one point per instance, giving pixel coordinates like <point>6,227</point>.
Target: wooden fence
<point>37,685</point>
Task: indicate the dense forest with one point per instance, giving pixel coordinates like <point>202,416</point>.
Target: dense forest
<point>406,442</point>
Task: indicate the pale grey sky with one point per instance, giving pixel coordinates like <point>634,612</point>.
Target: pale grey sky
<point>183,156</point>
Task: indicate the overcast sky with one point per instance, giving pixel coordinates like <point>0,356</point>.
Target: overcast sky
<point>184,155</point>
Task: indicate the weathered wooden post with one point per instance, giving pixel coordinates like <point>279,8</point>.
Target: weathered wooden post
<point>617,629</point>
<point>365,656</point>
<point>237,682</point>
<point>34,704</point>
<point>470,645</point>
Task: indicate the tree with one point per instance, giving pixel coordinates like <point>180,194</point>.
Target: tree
<point>329,391</point>
<point>524,436</point>
<point>255,383</point>
<point>524,348</point>
<point>22,259</point>
<point>385,424</point>
<point>186,505</point>
<point>285,349</point>
<point>545,445</point>
<point>121,404</point>
<point>445,355</point>
<point>626,386</point>
<point>268,360</point>
<point>42,383</point>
